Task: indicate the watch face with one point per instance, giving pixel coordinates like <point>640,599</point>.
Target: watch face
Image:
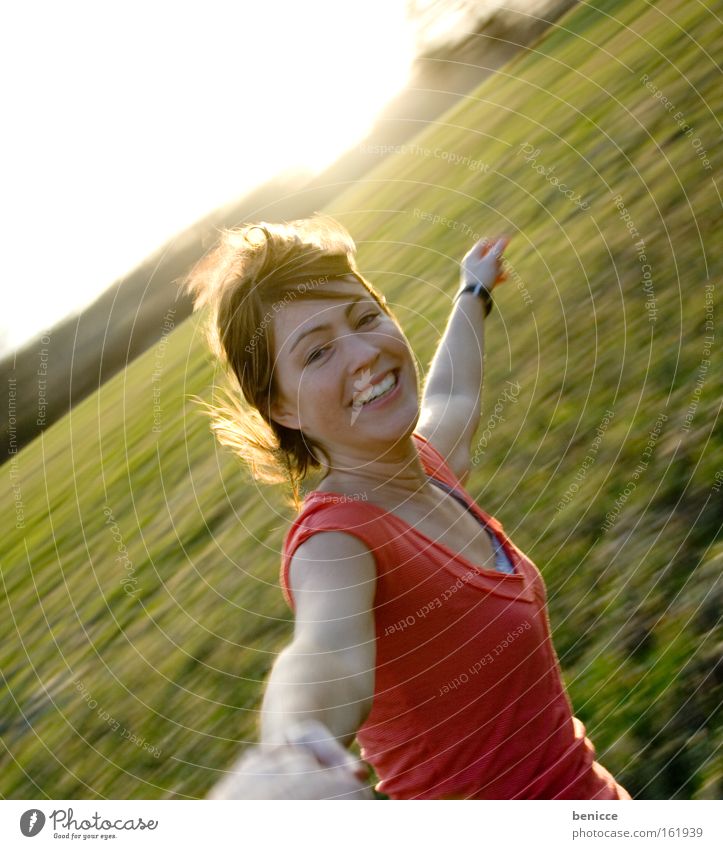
<point>479,290</point>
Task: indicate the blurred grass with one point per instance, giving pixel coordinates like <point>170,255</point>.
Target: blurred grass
<point>635,610</point>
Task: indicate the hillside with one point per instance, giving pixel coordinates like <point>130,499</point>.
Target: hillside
<point>67,363</point>
<point>141,607</point>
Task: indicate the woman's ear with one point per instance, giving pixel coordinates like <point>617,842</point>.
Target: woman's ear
<point>282,415</point>
<point>279,410</point>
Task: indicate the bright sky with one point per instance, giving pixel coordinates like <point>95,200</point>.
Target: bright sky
<point>124,123</point>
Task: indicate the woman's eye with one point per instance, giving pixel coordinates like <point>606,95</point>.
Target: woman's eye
<point>313,355</point>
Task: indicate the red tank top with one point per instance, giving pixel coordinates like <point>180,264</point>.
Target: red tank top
<point>468,695</point>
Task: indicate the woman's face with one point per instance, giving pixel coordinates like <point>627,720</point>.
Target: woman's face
<point>328,354</point>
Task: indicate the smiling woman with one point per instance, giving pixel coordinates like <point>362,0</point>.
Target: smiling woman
<point>248,281</point>
<point>421,631</point>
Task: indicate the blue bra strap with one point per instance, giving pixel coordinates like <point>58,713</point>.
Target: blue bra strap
<point>502,561</point>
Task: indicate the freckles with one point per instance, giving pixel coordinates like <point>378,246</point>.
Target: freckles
<point>309,392</point>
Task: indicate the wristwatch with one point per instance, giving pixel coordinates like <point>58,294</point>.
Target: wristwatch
<point>479,290</point>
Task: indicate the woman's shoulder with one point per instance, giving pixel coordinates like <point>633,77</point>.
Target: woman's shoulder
<point>328,509</point>
<point>329,512</point>
<point>434,462</point>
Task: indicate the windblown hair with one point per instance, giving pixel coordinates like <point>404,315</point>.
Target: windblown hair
<point>248,272</point>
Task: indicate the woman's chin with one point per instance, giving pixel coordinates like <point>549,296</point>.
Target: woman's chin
<point>385,425</point>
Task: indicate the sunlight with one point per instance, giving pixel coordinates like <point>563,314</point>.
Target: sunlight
<point>132,122</point>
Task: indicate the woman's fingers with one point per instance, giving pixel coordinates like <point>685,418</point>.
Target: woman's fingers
<point>317,738</point>
<point>496,245</point>
<point>499,245</point>
<point>483,263</point>
<point>311,764</point>
<point>288,772</point>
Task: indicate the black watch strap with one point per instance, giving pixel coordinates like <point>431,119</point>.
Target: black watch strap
<point>479,290</point>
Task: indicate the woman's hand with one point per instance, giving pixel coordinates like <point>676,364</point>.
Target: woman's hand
<point>483,263</point>
<point>311,765</point>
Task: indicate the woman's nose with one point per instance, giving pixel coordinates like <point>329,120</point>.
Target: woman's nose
<point>362,354</point>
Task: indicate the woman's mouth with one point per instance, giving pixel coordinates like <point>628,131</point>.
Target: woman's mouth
<point>379,393</point>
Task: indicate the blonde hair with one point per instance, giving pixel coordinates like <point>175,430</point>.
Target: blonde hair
<point>249,271</point>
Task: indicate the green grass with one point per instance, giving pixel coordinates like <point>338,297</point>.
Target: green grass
<point>635,609</point>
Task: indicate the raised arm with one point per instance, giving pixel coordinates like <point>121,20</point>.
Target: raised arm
<point>451,401</point>
<point>321,687</point>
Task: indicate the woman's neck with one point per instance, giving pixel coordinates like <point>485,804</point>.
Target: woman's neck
<point>397,473</point>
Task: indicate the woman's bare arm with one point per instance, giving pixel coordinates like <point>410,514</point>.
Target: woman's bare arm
<point>327,672</point>
<point>456,369</point>
<point>321,687</point>
<point>452,397</point>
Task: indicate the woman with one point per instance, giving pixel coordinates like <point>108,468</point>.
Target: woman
<point>420,629</point>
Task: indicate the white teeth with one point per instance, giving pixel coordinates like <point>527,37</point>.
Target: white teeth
<point>373,392</point>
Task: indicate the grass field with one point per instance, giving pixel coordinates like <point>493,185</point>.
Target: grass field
<point>141,610</point>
